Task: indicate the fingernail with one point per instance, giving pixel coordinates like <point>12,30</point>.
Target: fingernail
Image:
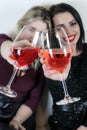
<point>11,49</point>
<point>15,63</point>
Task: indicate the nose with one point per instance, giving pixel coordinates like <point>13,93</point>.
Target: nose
<point>67,29</point>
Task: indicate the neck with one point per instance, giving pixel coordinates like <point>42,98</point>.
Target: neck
<point>77,52</point>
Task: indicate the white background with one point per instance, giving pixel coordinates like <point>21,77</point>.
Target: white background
<point>12,10</point>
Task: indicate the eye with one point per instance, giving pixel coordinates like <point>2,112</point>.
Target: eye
<point>73,23</point>
<point>32,29</point>
<point>58,29</point>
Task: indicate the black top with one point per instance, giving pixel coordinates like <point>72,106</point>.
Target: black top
<point>5,127</point>
<point>77,87</point>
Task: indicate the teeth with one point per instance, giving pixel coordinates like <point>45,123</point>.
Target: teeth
<point>70,38</point>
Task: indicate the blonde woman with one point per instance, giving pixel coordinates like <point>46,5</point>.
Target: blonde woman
<point>28,84</point>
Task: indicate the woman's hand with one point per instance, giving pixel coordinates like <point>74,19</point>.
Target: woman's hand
<point>53,74</point>
<point>17,125</point>
<point>82,128</point>
<point>23,113</point>
<point>22,44</point>
<point>7,48</point>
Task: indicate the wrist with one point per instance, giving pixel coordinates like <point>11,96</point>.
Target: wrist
<point>5,49</point>
<point>15,119</point>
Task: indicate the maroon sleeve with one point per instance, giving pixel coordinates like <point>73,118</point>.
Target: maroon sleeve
<point>36,93</point>
<point>4,37</point>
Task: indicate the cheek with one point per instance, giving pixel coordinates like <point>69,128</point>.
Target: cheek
<point>78,34</point>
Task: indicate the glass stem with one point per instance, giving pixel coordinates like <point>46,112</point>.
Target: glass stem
<point>64,86</point>
<point>12,78</point>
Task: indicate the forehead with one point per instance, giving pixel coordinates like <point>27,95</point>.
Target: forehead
<point>39,25</point>
<point>62,18</point>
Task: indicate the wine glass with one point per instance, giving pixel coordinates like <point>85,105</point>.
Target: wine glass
<point>22,55</point>
<point>57,52</point>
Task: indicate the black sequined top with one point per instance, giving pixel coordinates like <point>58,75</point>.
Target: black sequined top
<point>76,83</point>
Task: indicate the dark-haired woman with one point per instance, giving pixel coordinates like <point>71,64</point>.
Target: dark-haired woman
<point>71,116</point>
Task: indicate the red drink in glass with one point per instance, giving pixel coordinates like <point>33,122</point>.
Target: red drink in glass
<point>57,59</point>
<point>24,56</point>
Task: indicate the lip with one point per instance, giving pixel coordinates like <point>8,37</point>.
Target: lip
<point>70,37</point>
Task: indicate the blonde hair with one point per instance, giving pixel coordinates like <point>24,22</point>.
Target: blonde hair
<point>33,14</point>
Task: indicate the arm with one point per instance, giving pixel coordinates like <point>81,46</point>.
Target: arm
<point>35,95</point>
<point>82,128</point>
<point>7,47</point>
<point>30,104</point>
<point>22,114</point>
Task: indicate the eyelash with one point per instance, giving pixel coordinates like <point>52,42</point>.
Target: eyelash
<point>59,28</point>
<point>74,23</point>
<point>71,24</point>
<point>32,29</point>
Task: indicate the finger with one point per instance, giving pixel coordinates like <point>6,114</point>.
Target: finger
<point>15,126</point>
<point>22,43</point>
<point>21,128</point>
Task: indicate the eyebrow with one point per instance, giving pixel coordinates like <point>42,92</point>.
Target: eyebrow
<point>32,27</point>
<point>61,25</point>
<point>72,21</point>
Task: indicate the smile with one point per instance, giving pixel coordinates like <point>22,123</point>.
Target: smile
<point>70,37</point>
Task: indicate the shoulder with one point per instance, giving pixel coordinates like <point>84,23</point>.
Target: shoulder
<point>84,46</point>
<point>4,37</point>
